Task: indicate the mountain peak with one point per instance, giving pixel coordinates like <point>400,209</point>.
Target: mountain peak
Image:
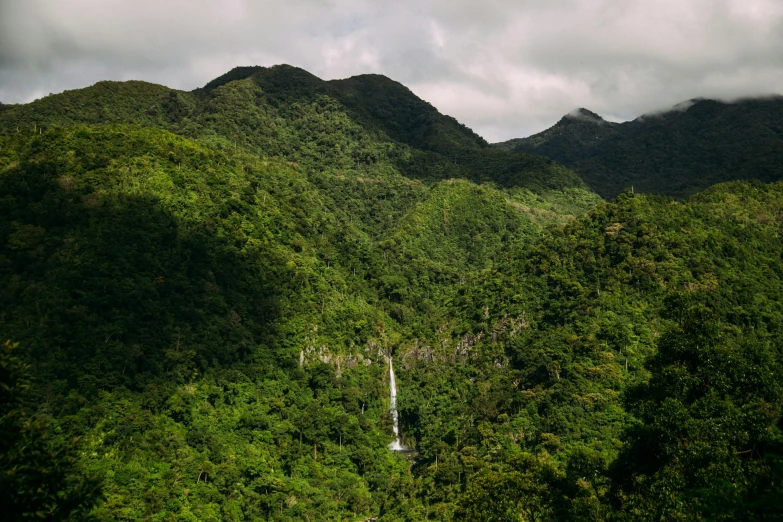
<point>583,114</point>
<point>237,73</point>
<point>278,72</point>
<point>675,152</point>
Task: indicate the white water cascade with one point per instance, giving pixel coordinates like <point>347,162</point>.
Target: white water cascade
<point>396,445</point>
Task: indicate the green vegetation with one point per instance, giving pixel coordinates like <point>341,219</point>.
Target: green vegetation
<point>206,286</point>
<point>677,153</point>
<point>40,475</point>
<point>650,378</point>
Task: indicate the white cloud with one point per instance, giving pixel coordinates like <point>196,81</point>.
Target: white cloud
<point>506,68</point>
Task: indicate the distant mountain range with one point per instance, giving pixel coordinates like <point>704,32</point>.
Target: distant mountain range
<point>256,107</point>
<point>678,152</point>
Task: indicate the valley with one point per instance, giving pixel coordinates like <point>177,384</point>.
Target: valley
<point>208,289</point>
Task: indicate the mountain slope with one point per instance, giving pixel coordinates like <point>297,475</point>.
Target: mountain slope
<point>209,282</point>
<point>576,131</point>
<point>286,111</point>
<point>677,153</point>
<point>209,303</point>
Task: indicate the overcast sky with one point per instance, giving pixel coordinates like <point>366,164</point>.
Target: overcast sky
<point>505,68</point>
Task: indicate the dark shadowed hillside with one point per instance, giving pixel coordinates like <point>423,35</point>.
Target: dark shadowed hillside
<point>679,152</point>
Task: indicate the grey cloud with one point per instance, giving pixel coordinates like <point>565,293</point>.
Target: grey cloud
<point>506,68</point>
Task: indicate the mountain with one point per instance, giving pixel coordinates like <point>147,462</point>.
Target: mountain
<point>267,109</point>
<point>574,132</point>
<point>678,152</point>
<point>207,289</point>
<point>260,234</point>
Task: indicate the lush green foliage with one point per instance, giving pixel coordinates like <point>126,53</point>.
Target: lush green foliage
<point>207,286</point>
<point>40,472</point>
<point>676,153</point>
<point>590,304</point>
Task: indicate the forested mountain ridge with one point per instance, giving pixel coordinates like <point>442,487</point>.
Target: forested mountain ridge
<point>205,288</point>
<point>249,104</point>
<point>151,237</point>
<point>574,132</point>
<point>678,152</point>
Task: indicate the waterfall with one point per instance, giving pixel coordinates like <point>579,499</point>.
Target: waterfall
<point>394,446</point>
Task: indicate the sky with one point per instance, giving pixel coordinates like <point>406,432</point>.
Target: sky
<point>504,68</point>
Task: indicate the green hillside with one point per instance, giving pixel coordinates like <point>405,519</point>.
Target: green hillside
<point>205,289</point>
<point>676,153</point>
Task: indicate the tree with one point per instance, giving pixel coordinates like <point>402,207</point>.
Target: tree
<point>710,445</point>
<point>525,491</point>
<point>40,474</point>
